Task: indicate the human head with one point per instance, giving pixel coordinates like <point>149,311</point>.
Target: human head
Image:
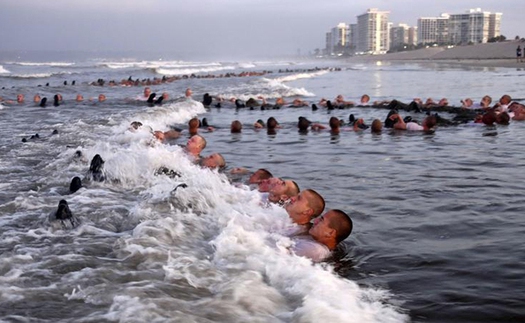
<point>377,126</point>
<point>188,93</point>
<point>489,118</point>
<point>147,92</point>
<point>334,123</point>
<point>271,123</point>
<point>193,126</point>
<point>486,101</point>
<point>443,102</point>
<point>281,190</point>
<point>236,126</point>
<point>307,205</point>
<point>165,95</point>
<point>503,118</point>
<point>79,98</point>
<point>259,124</point>
<point>303,124</point>
<point>214,160</point>
<point>505,99</point>
<point>159,135</point>
<point>101,98</point>
<point>365,98</point>
<point>36,98</point>
<point>430,122</point>
<point>331,228</point>
<point>259,175</point>
<point>195,145</point>
<point>20,98</point>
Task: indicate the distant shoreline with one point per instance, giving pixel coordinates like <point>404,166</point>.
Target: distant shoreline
<point>483,55</point>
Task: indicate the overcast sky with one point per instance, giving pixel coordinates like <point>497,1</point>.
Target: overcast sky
<point>211,28</point>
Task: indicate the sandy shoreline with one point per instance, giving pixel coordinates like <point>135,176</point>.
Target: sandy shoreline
<point>482,55</point>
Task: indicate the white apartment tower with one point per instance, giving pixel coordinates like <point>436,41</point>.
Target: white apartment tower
<point>433,29</point>
<point>372,32</point>
<point>399,36</point>
<point>337,39</point>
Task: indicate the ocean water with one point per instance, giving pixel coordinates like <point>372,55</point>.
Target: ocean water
<point>438,218</point>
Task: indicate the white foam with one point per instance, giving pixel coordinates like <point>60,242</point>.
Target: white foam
<point>3,70</point>
<point>186,71</point>
<point>298,76</point>
<point>45,64</point>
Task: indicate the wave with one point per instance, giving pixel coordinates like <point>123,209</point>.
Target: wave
<point>2,107</point>
<point>57,64</point>
<point>3,70</point>
<point>155,64</point>
<point>294,77</point>
<point>37,75</point>
<point>187,71</point>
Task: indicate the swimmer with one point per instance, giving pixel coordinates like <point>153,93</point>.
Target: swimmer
<point>326,233</point>
<point>259,175</point>
<point>195,146</point>
<point>427,124</point>
<point>303,208</point>
<point>213,161</point>
<point>236,126</point>
<point>79,98</point>
<point>188,93</point>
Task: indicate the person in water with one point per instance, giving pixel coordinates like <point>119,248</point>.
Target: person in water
<point>195,146</point>
<point>428,123</point>
<point>213,161</point>
<point>323,237</point>
<point>303,208</point>
<point>281,190</point>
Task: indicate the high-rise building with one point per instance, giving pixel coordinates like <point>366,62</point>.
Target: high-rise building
<point>399,36</point>
<point>495,25</point>
<point>433,29</point>
<point>474,26</point>
<point>412,36</point>
<point>338,39</point>
<point>372,32</point>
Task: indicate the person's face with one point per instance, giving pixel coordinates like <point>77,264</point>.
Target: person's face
<point>188,92</point>
<point>212,161</point>
<point>20,98</point>
<point>147,92</point>
<point>255,178</point>
<point>279,187</point>
<point>101,97</point>
<point>36,98</point>
<point>321,229</point>
<point>266,184</point>
<point>298,207</point>
<point>79,98</point>
<point>194,143</point>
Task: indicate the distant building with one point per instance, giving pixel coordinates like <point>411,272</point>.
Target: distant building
<point>432,30</point>
<point>338,40</point>
<point>495,25</point>
<point>399,36</point>
<point>412,36</point>
<point>372,32</point>
<point>474,26</point>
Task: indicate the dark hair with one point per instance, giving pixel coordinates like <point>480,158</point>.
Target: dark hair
<point>271,123</point>
<point>343,225</point>
<point>334,122</point>
<point>236,126</point>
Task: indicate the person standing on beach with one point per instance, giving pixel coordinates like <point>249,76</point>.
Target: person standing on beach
<point>518,54</point>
